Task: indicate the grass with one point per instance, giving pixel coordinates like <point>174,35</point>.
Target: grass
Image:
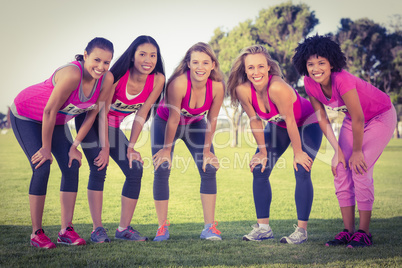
<point>234,212</point>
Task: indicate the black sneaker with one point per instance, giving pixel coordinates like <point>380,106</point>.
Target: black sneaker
<point>343,238</point>
<point>360,239</point>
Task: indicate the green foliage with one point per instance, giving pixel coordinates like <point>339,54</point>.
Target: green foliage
<point>372,53</point>
<point>281,28</point>
<point>233,42</point>
<point>234,212</point>
<point>278,28</point>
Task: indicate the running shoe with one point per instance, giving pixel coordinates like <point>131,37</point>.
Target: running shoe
<point>211,233</point>
<point>40,240</point>
<point>130,234</point>
<point>360,239</point>
<point>259,234</point>
<point>70,237</point>
<point>162,233</point>
<point>341,239</point>
<point>99,235</point>
<point>297,237</point>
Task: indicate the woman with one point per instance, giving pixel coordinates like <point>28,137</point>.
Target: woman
<point>39,119</point>
<point>255,82</point>
<point>368,126</point>
<point>195,88</point>
<point>139,80</point>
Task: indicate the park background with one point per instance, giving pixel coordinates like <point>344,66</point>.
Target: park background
<point>39,36</point>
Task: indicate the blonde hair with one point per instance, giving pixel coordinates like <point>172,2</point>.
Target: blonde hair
<point>238,76</point>
<point>216,73</point>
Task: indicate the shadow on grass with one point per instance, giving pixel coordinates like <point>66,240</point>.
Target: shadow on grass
<point>184,248</point>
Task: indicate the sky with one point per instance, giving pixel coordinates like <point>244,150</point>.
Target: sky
<point>39,36</point>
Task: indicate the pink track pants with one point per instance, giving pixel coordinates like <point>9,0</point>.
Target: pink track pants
<point>350,187</point>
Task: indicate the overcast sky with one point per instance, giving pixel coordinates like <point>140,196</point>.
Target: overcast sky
<point>37,36</point>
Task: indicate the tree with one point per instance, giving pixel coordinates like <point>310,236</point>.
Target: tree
<point>279,29</point>
<point>372,53</point>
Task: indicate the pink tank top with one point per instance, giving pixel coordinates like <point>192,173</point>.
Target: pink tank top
<point>121,106</point>
<point>189,115</point>
<point>31,102</point>
<point>302,109</point>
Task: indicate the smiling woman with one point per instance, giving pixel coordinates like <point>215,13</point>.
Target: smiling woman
<point>255,81</point>
<point>139,79</point>
<point>195,88</point>
<point>39,117</point>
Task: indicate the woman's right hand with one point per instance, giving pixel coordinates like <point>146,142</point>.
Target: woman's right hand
<point>338,158</point>
<point>41,156</point>
<point>163,155</point>
<point>258,158</point>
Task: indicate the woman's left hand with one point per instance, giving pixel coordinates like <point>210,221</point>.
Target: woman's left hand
<point>133,155</point>
<point>102,160</point>
<point>74,154</point>
<point>304,160</point>
<point>357,163</point>
<point>210,158</point>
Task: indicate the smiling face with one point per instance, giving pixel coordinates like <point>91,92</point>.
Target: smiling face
<point>97,63</point>
<point>319,69</point>
<point>200,66</point>
<point>257,68</point>
<point>145,58</point>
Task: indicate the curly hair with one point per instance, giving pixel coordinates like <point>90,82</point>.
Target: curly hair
<point>238,76</point>
<point>322,46</point>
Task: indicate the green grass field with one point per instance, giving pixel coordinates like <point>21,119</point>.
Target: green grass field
<point>234,212</point>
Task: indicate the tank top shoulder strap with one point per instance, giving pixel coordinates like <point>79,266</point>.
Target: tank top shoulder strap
<point>209,95</point>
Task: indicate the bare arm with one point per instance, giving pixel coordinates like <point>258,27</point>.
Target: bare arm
<point>356,160</point>
<point>67,81</point>
<point>329,133</point>
<point>212,117</point>
<point>244,95</point>
<point>176,92</point>
<point>283,96</point>
<point>140,118</point>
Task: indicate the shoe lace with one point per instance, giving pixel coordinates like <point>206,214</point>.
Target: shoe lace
<point>358,237</point>
<point>163,228</point>
<point>101,231</point>
<point>213,228</point>
<point>342,235</point>
<point>41,237</point>
<point>296,234</point>
<point>70,229</point>
<point>132,230</point>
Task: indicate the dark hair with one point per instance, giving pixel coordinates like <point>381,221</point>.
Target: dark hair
<point>125,61</point>
<point>98,42</point>
<point>322,46</point>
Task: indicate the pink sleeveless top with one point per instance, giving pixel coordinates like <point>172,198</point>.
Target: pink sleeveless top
<point>31,102</point>
<point>189,115</point>
<point>302,109</point>
<point>121,106</point>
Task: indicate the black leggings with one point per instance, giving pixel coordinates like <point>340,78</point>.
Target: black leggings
<point>277,141</point>
<point>193,136</point>
<point>29,136</point>
<point>118,151</point>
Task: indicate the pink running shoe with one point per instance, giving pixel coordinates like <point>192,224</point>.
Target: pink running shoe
<point>40,240</point>
<point>70,237</point>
